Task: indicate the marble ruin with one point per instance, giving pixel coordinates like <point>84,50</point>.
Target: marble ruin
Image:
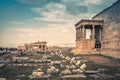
<point>37,46</point>
<point>88,35</point>
<point>102,31</point>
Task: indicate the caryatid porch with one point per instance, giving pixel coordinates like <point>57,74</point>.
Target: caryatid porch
<point>88,35</point>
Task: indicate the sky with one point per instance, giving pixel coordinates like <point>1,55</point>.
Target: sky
<point>25,21</point>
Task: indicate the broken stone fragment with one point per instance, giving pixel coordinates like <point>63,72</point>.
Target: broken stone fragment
<point>66,72</point>
<point>73,66</point>
<point>83,67</point>
<point>67,58</point>
<point>61,55</point>
<point>37,73</point>
<point>39,69</point>
<point>73,59</point>
<point>78,63</point>
<point>56,53</point>
<point>52,53</point>
<point>67,67</point>
<point>76,71</point>
<point>52,70</point>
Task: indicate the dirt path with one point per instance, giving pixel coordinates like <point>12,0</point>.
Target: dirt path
<point>102,60</point>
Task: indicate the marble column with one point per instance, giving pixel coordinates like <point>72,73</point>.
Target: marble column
<point>79,33</point>
<point>83,31</point>
<point>76,34</point>
<point>93,32</point>
<point>42,47</point>
<point>100,34</point>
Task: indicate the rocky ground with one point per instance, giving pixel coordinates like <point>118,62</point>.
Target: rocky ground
<point>109,68</point>
<point>102,60</point>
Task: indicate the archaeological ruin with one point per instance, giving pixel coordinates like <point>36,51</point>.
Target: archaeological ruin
<point>37,46</point>
<point>101,33</point>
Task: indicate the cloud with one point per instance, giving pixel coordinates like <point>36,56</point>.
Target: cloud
<point>75,7</point>
<point>82,2</point>
<point>15,22</point>
<point>92,2</point>
<point>72,1</point>
<point>58,12</point>
<point>52,12</point>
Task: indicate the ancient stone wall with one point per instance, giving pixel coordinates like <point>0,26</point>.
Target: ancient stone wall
<point>111,28</point>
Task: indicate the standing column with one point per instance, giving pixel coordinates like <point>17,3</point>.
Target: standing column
<point>45,48</point>
<point>93,32</point>
<point>83,31</point>
<point>100,34</point>
<point>76,33</point>
<point>80,32</point>
<point>42,48</point>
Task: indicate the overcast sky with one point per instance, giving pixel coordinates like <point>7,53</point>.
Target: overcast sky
<point>24,21</point>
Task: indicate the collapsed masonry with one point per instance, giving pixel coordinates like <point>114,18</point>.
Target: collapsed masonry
<point>77,65</point>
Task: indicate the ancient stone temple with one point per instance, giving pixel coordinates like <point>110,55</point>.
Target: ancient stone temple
<point>40,46</point>
<point>88,34</point>
<point>102,31</point>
